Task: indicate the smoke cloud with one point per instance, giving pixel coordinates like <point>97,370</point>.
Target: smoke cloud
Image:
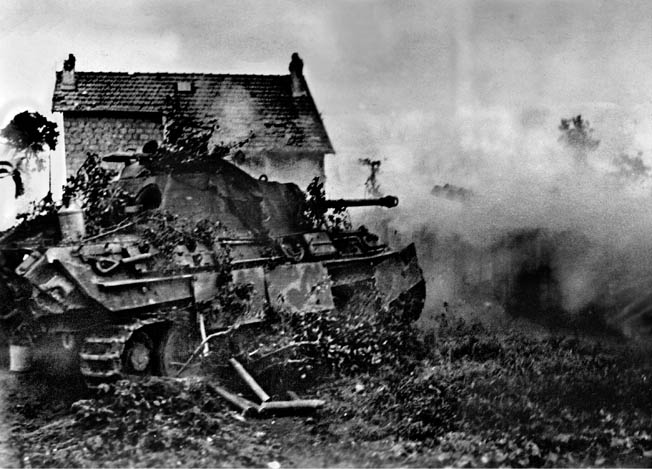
<point>519,178</point>
<point>492,128</point>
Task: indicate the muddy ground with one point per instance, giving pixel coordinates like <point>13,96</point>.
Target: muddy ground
<point>471,396</point>
<point>8,454</point>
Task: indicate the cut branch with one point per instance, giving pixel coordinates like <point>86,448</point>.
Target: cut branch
<point>251,382</point>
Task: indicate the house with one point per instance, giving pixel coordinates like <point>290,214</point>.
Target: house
<point>275,115</point>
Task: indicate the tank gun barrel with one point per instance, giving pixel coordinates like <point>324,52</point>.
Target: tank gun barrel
<point>388,201</point>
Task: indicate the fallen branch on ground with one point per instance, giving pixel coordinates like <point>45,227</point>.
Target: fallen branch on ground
<point>251,382</point>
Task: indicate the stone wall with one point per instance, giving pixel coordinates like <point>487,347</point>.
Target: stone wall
<point>103,133</point>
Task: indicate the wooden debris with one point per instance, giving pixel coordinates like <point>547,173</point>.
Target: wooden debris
<point>268,407</point>
<point>251,382</point>
<point>248,408</point>
<point>202,332</point>
<point>285,406</point>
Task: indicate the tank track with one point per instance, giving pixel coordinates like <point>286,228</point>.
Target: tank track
<point>101,352</point>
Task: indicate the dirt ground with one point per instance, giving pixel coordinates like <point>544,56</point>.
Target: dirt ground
<point>476,398</point>
<point>8,456</point>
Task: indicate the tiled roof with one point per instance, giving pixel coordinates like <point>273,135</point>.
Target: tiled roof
<point>242,104</point>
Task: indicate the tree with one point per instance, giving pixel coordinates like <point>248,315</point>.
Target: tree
<point>577,134</point>
<point>632,167</point>
<point>29,133</point>
<point>371,184</point>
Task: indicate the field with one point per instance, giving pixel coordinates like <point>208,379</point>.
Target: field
<point>456,393</point>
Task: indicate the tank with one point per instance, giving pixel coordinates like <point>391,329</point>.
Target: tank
<point>122,302</point>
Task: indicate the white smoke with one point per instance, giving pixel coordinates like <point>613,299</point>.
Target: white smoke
<point>521,178</point>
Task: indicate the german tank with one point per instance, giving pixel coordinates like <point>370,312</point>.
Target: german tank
<point>126,299</point>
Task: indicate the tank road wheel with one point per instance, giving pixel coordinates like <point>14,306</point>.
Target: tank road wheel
<point>175,348</point>
<point>138,356</point>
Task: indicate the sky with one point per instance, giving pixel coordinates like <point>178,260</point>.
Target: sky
<point>437,90</point>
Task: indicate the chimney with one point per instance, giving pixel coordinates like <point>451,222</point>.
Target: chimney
<point>68,75</point>
<point>296,76</point>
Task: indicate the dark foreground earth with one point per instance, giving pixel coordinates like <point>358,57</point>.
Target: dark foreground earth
<point>459,394</point>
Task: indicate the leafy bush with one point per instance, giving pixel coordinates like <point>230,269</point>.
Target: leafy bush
<point>102,203</point>
<point>488,399</point>
<point>355,338</point>
<point>132,407</point>
<point>417,406</point>
<point>144,421</point>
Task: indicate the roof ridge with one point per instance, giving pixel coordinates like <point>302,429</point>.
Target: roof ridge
<point>180,73</point>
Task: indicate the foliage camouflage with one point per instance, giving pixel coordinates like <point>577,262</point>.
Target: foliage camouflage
<point>320,217</point>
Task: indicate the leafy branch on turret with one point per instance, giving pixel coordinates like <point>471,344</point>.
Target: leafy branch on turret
<point>318,216</point>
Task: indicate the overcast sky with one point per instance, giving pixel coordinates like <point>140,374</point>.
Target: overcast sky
<point>415,83</point>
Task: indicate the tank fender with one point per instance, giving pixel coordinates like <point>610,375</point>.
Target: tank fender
<point>206,289</point>
<point>302,287</point>
<point>256,277</point>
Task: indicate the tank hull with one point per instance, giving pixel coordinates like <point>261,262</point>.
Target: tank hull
<point>98,316</point>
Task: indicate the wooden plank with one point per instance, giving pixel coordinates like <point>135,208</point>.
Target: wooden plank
<point>251,382</point>
<point>295,405</point>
